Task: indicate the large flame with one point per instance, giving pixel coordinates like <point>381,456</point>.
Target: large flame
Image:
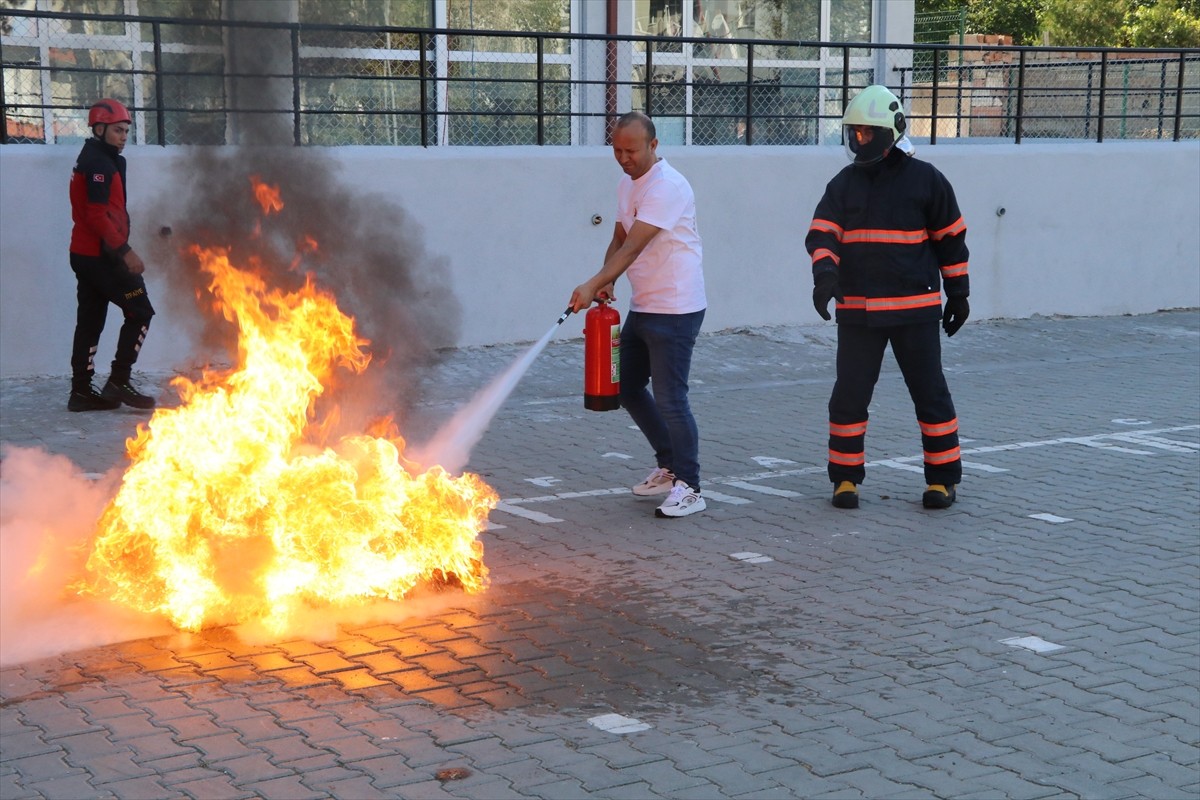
<point>229,514</point>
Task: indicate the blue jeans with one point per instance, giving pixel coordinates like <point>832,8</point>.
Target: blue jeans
<point>658,348</point>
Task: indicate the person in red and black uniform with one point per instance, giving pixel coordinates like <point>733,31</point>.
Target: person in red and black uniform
<point>885,238</point>
<point>106,268</point>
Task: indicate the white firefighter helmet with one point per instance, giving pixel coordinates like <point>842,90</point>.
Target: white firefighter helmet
<point>877,107</point>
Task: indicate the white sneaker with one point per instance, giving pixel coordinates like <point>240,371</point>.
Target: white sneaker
<point>682,500</point>
<point>657,482</point>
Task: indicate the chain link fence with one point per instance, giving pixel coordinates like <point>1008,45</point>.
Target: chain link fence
<point>991,90</point>
<point>940,27</point>
<point>210,82</point>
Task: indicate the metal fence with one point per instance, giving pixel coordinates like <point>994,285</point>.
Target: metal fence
<point>940,26</point>
<point>211,82</point>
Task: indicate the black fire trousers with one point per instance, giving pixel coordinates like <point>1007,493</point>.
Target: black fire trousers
<point>918,351</point>
<point>100,281</point>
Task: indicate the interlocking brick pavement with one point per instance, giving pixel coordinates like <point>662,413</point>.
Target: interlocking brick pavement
<point>775,647</point>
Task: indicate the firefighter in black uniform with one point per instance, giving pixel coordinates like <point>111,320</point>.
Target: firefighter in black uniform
<point>107,269</point>
<point>885,237</point>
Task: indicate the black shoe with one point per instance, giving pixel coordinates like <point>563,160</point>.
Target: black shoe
<point>845,495</point>
<point>88,399</point>
<point>938,496</point>
<point>125,393</point>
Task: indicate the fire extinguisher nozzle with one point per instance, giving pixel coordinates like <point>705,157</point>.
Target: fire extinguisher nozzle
<point>564,316</point>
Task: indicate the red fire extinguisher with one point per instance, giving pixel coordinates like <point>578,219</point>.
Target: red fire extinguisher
<point>602,358</point>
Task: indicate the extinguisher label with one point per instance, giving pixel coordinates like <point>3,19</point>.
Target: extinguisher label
<point>616,354</point>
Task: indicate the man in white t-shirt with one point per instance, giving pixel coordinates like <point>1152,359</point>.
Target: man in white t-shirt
<point>656,245</point>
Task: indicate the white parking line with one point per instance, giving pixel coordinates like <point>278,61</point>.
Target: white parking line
<point>1158,441</point>
<point>1053,518</point>
<point>751,558</point>
<point>1035,643</point>
<point>750,483</point>
<point>754,487</point>
<point>525,513</point>
<point>590,493</point>
<point>1095,440</point>
<point>617,723</point>
<point>1113,448</point>
<point>982,467</point>
<point>896,463</point>
<point>709,494</point>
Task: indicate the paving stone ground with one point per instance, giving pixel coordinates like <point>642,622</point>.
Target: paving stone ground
<point>1041,639</point>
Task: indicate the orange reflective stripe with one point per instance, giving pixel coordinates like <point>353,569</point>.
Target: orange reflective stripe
<point>853,302</point>
<point>953,229</point>
<point>827,226</point>
<point>938,428</point>
<point>954,270</point>
<point>821,252</point>
<point>885,237</point>
<point>944,457</point>
<point>847,459</point>
<point>854,429</point>
<point>902,303</point>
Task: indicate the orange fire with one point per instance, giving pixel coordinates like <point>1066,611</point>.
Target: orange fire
<point>267,196</point>
<point>229,513</point>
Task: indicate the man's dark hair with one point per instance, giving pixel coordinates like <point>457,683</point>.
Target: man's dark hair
<point>637,117</point>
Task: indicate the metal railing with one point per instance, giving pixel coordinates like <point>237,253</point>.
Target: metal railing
<point>219,82</point>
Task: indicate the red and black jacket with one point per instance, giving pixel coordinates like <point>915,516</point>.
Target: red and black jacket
<point>892,233</point>
<point>98,201</point>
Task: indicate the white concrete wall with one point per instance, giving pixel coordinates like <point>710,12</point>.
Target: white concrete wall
<point>1088,229</point>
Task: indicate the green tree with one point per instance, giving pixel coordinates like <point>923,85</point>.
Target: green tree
<point>1085,23</point>
<point>1166,23</point>
<point>1081,23</point>
<point>1016,18</point>
<point>932,6</point>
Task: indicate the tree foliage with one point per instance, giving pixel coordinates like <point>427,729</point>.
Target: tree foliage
<point>1016,18</point>
<point>1081,23</point>
<point>1164,24</point>
<point>1084,23</point>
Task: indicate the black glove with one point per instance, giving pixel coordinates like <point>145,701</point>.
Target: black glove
<point>956,313</point>
<point>825,288</point>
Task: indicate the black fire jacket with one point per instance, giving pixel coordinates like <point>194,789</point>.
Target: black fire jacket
<point>892,232</point>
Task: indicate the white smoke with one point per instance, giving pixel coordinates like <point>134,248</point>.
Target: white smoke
<point>451,445</point>
<point>48,513</point>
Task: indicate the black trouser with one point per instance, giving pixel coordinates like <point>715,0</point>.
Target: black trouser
<point>100,281</point>
<point>918,351</point>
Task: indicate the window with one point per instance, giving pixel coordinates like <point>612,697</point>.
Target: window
<point>360,87</point>
<point>367,69</point>
<point>703,93</point>
<point>192,90</point>
<point>55,69</point>
<point>486,75</point>
<point>850,21</point>
<point>355,80</point>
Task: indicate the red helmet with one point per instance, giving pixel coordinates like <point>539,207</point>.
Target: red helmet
<point>106,112</point>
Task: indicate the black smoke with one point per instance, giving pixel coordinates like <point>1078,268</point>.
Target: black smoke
<point>369,252</point>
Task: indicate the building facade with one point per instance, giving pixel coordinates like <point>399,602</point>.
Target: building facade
<point>415,72</point>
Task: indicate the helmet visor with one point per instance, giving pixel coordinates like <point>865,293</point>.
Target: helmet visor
<point>866,144</point>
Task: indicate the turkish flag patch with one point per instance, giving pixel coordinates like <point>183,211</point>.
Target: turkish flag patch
<point>98,177</point>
